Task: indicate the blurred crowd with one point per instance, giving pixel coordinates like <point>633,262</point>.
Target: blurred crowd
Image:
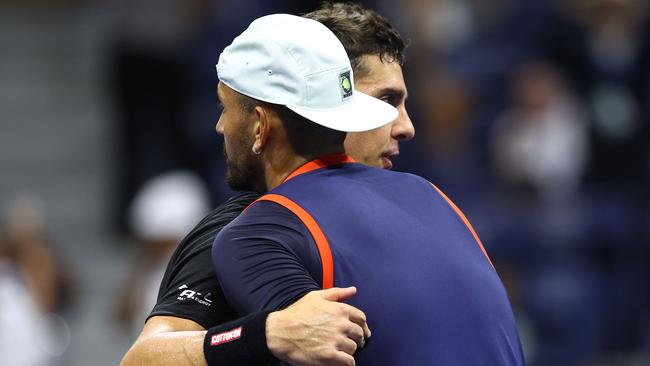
<point>532,115</point>
<point>535,116</point>
<point>36,287</point>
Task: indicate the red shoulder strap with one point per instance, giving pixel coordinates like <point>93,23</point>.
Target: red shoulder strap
<point>466,221</point>
<point>321,241</point>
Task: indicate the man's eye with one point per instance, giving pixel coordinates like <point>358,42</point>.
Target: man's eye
<point>388,99</point>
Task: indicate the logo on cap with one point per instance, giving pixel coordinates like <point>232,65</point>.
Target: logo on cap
<point>346,84</point>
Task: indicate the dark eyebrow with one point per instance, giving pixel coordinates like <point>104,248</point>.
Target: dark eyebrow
<point>394,92</point>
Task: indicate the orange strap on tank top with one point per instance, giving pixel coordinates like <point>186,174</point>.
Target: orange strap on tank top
<point>322,244</point>
<point>466,221</point>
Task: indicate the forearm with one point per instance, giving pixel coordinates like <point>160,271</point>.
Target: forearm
<point>167,340</point>
<point>183,348</point>
<point>315,331</point>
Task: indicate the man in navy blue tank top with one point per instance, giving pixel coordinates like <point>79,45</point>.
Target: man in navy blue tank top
<point>422,274</point>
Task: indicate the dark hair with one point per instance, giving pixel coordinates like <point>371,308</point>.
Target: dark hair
<point>362,32</point>
<point>305,136</point>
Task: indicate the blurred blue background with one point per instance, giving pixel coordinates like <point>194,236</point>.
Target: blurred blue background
<point>532,115</point>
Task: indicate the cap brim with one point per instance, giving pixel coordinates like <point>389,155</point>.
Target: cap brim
<point>363,113</point>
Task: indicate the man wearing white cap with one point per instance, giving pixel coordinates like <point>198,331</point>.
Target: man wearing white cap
<point>424,278</point>
<point>173,330</point>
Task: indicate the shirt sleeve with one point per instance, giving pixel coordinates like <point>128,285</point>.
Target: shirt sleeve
<point>266,259</point>
<point>189,288</point>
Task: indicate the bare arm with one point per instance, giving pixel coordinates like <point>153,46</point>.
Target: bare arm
<point>316,330</point>
<point>167,340</point>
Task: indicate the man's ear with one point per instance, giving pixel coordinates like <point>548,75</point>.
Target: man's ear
<point>262,127</point>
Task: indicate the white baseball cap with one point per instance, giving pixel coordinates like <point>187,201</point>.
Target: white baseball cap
<point>299,63</point>
<point>168,206</point>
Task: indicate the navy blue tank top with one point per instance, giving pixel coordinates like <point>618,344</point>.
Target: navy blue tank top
<point>429,290</point>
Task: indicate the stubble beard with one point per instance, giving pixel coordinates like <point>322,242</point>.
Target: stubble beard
<point>240,173</point>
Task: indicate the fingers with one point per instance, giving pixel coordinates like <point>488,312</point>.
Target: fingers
<point>359,317</point>
<point>342,294</point>
<point>355,333</point>
<point>338,294</point>
<point>348,346</point>
<point>356,316</point>
<point>342,359</point>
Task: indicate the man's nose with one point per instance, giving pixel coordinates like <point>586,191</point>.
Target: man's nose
<point>402,128</point>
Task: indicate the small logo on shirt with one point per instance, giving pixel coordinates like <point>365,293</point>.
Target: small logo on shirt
<point>225,337</point>
<point>188,294</point>
<point>346,84</point>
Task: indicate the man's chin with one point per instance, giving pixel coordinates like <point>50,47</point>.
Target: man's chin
<point>239,180</point>
<point>373,161</point>
<point>386,163</point>
<point>237,184</point>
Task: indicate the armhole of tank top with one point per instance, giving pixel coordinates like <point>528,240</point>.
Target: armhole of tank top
<point>322,244</point>
<point>465,221</point>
